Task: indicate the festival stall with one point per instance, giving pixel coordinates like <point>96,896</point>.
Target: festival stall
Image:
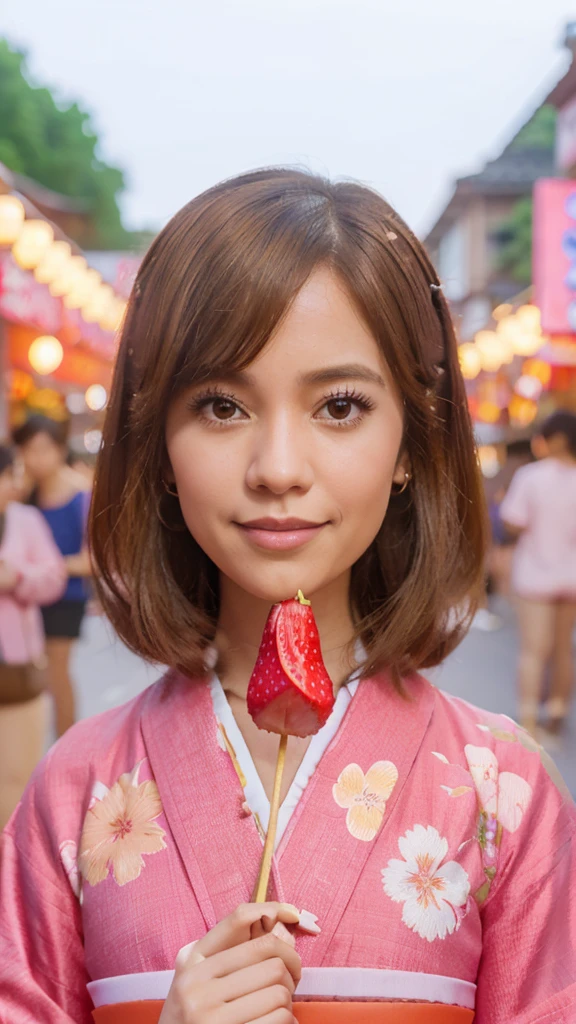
<point>58,323</point>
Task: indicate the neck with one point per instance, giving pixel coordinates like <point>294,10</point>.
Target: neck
<point>241,624</point>
<point>54,483</point>
<point>566,457</point>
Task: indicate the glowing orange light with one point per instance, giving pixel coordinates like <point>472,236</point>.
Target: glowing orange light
<point>488,412</point>
<point>11,219</point>
<point>45,354</point>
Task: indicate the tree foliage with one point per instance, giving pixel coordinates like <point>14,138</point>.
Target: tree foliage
<point>515,234</point>
<point>56,145</point>
<point>515,237</point>
<point>539,132</point>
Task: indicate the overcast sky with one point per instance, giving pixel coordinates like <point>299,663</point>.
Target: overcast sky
<point>402,94</point>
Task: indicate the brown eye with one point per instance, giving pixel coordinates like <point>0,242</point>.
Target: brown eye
<point>223,408</point>
<point>339,408</point>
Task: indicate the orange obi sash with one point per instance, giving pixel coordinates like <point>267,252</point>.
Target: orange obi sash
<point>147,1011</point>
<point>325,995</point>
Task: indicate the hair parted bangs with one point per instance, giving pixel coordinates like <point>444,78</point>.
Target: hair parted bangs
<point>209,295</point>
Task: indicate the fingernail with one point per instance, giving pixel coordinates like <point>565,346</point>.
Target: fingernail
<point>281,932</point>
<point>291,909</point>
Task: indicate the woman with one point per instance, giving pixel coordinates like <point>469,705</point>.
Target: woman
<point>540,508</point>
<point>62,496</point>
<point>288,415</point>
<point>31,572</point>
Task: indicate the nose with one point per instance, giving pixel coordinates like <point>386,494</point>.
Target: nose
<point>280,457</point>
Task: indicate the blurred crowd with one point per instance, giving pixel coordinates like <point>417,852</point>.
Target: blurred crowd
<point>532,561</point>
<point>44,589</point>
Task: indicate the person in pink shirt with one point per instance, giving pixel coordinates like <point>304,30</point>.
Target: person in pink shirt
<point>32,572</point>
<point>541,508</point>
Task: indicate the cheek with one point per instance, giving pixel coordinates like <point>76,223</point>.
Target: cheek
<point>203,479</point>
<point>362,472</point>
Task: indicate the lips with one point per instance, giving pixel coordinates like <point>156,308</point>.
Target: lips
<point>280,534</point>
<point>280,525</point>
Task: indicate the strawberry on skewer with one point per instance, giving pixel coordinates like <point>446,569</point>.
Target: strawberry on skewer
<point>290,693</point>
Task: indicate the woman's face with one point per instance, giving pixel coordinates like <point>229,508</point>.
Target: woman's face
<point>284,471</point>
<point>42,457</point>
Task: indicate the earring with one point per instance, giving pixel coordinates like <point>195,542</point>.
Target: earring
<point>407,479</point>
<point>173,493</point>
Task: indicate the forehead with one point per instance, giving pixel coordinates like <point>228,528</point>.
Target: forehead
<point>322,326</point>
<point>41,442</point>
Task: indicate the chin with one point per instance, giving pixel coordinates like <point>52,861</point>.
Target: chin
<point>282,583</point>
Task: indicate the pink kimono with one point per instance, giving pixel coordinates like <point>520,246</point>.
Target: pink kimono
<point>430,841</point>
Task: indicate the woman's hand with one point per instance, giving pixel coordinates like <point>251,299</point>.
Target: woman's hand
<point>242,971</point>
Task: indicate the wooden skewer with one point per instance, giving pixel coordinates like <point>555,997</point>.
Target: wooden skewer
<point>261,890</point>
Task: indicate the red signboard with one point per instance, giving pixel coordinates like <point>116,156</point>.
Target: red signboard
<point>24,301</point>
<point>554,254</point>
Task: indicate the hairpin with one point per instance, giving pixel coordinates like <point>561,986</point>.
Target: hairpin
<point>436,287</point>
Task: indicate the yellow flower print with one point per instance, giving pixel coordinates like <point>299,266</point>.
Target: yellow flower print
<point>365,797</point>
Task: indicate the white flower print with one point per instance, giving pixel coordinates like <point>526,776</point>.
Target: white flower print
<point>435,895</point>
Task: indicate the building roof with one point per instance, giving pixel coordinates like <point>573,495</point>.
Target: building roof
<point>44,198</point>
<point>565,89</point>
<point>513,174</point>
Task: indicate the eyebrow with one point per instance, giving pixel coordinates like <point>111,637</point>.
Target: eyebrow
<point>326,375</point>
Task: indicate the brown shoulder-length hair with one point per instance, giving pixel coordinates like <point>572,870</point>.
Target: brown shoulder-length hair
<point>210,293</point>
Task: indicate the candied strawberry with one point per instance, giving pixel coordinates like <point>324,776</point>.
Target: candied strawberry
<point>290,691</point>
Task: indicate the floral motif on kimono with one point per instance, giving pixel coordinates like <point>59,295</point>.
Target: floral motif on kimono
<point>119,829</point>
<point>434,891</point>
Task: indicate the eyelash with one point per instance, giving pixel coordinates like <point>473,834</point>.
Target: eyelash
<point>203,400</point>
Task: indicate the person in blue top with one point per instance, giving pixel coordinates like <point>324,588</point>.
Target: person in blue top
<point>63,497</point>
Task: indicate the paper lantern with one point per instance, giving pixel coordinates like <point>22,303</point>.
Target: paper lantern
<point>490,351</point>
<point>112,319</point>
<point>85,286</point>
<point>521,334</point>
<point>470,363</point>
<point>529,317</point>
<point>45,354</point>
<point>53,263</point>
<point>99,304</point>
<point>32,243</point>
<point>96,397</point>
<point>11,219</point>
<point>70,276</point>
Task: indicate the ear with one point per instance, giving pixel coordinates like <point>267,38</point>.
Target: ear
<point>403,466</point>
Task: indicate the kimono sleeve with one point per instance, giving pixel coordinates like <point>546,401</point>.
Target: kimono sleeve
<point>42,972</point>
<point>42,573</point>
<point>528,968</point>
<point>515,508</point>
